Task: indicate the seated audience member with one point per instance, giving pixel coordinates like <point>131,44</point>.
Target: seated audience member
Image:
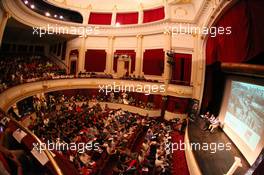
<point>206,116</point>
<point>215,122</point>
<point>208,121</point>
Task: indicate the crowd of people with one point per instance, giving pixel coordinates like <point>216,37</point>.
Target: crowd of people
<point>21,69</point>
<point>71,120</point>
<point>17,70</point>
<point>93,75</point>
<point>211,121</point>
<point>65,120</point>
<point>113,97</point>
<point>123,98</point>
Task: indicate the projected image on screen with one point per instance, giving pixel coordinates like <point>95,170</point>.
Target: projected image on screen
<point>245,113</point>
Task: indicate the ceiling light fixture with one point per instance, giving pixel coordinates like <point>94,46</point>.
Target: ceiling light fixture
<point>61,17</point>
<point>55,16</point>
<point>117,24</point>
<point>26,2</point>
<point>32,6</point>
<point>47,14</point>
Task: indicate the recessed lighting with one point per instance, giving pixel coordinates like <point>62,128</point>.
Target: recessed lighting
<point>47,14</point>
<point>61,17</point>
<point>55,16</point>
<point>26,2</point>
<point>32,6</point>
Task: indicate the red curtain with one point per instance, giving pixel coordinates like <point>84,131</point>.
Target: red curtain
<point>115,63</point>
<point>244,43</point>
<point>100,18</point>
<point>153,15</point>
<point>211,51</point>
<point>157,100</point>
<point>181,73</point>
<point>256,15</point>
<point>127,18</point>
<point>142,97</point>
<point>187,69</point>
<point>153,62</point>
<point>177,105</point>
<point>95,60</point>
<point>247,37</point>
<point>130,53</point>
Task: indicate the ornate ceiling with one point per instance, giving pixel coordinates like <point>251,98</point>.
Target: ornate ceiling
<point>108,5</point>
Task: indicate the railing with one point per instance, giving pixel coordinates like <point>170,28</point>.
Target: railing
<point>47,153</point>
<point>179,82</point>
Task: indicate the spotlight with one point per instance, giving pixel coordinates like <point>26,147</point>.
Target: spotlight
<point>26,2</point>
<point>55,16</point>
<point>61,17</point>
<point>47,14</point>
<point>32,6</point>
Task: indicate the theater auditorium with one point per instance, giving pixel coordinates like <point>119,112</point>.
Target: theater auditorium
<point>131,87</point>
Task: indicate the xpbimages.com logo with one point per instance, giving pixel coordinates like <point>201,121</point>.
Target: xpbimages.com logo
<point>185,29</point>
<point>211,147</point>
<point>72,30</point>
<point>140,88</point>
<point>61,146</point>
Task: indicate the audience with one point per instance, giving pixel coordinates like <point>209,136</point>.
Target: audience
<point>17,70</point>
<point>22,69</point>
<point>210,122</point>
<point>62,119</point>
<point>118,97</point>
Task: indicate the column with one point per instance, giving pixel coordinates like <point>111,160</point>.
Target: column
<point>109,56</point>
<point>140,14</point>
<point>139,58</point>
<point>81,58</point>
<point>3,22</point>
<point>198,68</point>
<point>113,21</point>
<point>167,66</point>
<point>67,59</point>
<point>166,9</point>
<point>86,17</point>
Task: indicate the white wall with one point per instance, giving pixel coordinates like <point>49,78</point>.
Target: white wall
<point>96,43</point>
<point>184,41</point>
<point>153,41</point>
<point>125,43</point>
<point>73,44</point>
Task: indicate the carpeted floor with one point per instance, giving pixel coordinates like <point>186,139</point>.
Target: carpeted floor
<point>179,164</point>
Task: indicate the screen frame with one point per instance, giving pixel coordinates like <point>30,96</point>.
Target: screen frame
<point>250,155</point>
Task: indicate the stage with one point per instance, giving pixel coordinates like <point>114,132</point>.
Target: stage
<point>217,163</point>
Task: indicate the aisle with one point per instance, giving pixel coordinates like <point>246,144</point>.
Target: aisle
<point>179,164</point>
